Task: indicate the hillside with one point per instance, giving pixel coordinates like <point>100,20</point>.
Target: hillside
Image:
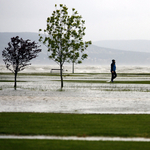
<point>128,45</point>
<point>5,38</point>
<point>101,55</point>
<point>96,55</point>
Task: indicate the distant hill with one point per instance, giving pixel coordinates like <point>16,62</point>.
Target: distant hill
<point>101,55</point>
<point>128,45</point>
<point>5,37</point>
<point>96,55</point>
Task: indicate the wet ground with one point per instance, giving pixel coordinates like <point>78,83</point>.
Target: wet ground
<point>42,94</point>
<point>76,138</point>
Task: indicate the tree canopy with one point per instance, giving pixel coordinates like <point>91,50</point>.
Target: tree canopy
<point>18,54</point>
<point>64,37</point>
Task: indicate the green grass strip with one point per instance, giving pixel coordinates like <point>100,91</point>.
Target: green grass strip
<point>102,81</point>
<point>42,74</point>
<point>85,81</point>
<point>71,145</point>
<point>79,74</point>
<point>75,124</point>
<point>132,82</point>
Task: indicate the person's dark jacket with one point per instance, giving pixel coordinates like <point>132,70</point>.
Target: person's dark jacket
<point>113,66</point>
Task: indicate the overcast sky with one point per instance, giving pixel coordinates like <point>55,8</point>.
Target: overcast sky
<point>105,19</point>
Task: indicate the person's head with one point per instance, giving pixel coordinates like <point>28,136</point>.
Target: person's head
<point>113,61</point>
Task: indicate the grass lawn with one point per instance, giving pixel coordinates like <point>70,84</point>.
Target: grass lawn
<point>75,124</point>
<point>71,145</point>
<point>115,82</point>
<point>95,76</point>
<point>80,74</point>
<point>41,74</point>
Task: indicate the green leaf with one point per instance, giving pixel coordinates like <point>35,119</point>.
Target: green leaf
<point>65,32</point>
<point>79,62</point>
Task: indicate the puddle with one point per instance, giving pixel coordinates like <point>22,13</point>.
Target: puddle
<point>42,94</point>
<point>76,138</point>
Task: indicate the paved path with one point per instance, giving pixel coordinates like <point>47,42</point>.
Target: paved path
<point>76,138</point>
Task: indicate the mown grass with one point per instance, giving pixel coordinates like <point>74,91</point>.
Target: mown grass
<point>30,74</point>
<point>75,124</point>
<point>102,81</point>
<point>84,81</point>
<point>133,74</point>
<point>80,74</point>
<point>71,145</point>
<point>92,81</point>
<point>127,90</point>
<point>42,74</point>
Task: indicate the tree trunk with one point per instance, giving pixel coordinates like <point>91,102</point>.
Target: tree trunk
<point>73,67</point>
<point>61,76</point>
<point>15,84</point>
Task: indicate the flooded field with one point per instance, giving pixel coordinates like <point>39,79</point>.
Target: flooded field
<point>41,93</point>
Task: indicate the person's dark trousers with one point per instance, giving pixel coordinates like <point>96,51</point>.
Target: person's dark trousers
<point>113,76</point>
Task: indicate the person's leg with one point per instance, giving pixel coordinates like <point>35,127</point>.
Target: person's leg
<point>115,75</point>
<point>112,77</point>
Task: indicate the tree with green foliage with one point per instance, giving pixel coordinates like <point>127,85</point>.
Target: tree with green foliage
<point>64,37</point>
<point>17,55</point>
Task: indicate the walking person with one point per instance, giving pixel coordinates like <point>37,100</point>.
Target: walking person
<point>113,70</point>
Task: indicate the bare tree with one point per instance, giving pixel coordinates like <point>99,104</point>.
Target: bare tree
<point>18,54</point>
